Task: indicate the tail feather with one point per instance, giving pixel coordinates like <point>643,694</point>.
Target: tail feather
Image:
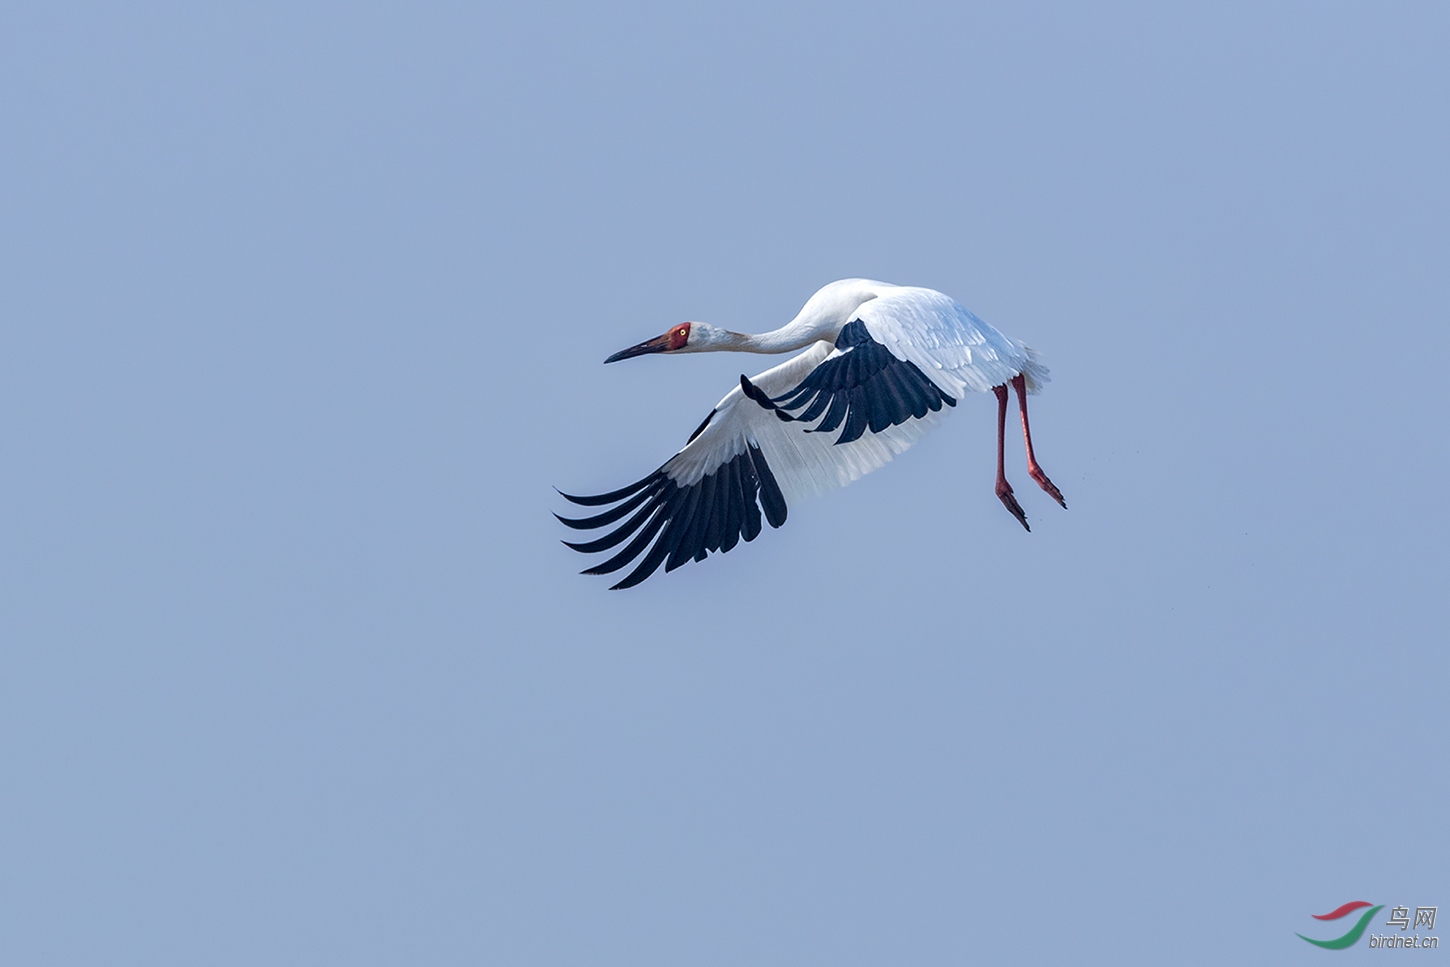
<point>1034,371</point>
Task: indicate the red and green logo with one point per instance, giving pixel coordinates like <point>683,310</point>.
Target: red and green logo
<point>1355,932</point>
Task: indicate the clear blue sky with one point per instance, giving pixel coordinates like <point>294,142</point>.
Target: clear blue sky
<point>303,314</point>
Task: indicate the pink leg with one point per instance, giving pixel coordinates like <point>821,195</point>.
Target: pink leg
<point>1020,385</point>
<point>1004,489</point>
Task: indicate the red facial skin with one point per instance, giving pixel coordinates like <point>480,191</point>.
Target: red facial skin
<point>675,339</point>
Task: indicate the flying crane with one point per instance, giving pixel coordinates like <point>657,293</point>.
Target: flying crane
<point>879,363</point>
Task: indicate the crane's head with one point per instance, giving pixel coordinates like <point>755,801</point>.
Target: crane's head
<point>687,337</point>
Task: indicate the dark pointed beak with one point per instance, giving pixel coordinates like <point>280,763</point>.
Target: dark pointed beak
<point>658,344</point>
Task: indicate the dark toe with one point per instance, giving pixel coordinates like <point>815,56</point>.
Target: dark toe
<point>1010,502</point>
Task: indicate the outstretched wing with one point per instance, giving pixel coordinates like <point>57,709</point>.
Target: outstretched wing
<point>742,461</point>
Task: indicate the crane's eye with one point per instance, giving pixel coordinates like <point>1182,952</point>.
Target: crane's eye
<point>684,332</point>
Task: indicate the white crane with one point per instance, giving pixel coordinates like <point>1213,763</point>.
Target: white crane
<point>879,362</point>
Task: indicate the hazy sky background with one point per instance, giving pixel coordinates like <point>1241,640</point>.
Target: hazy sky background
<point>303,315</point>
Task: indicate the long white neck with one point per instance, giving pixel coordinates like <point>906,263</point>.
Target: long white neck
<point>787,338</point>
<point>821,317</point>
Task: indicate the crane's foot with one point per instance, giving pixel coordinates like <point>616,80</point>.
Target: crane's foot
<point>1046,485</point>
<point>1004,494</point>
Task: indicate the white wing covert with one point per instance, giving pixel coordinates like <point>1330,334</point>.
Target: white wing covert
<point>954,348</point>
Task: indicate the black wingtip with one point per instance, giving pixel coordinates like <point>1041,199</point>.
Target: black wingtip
<point>760,396</point>
<point>755,392</point>
<point>599,500</point>
<point>571,498</point>
<point>684,523</point>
